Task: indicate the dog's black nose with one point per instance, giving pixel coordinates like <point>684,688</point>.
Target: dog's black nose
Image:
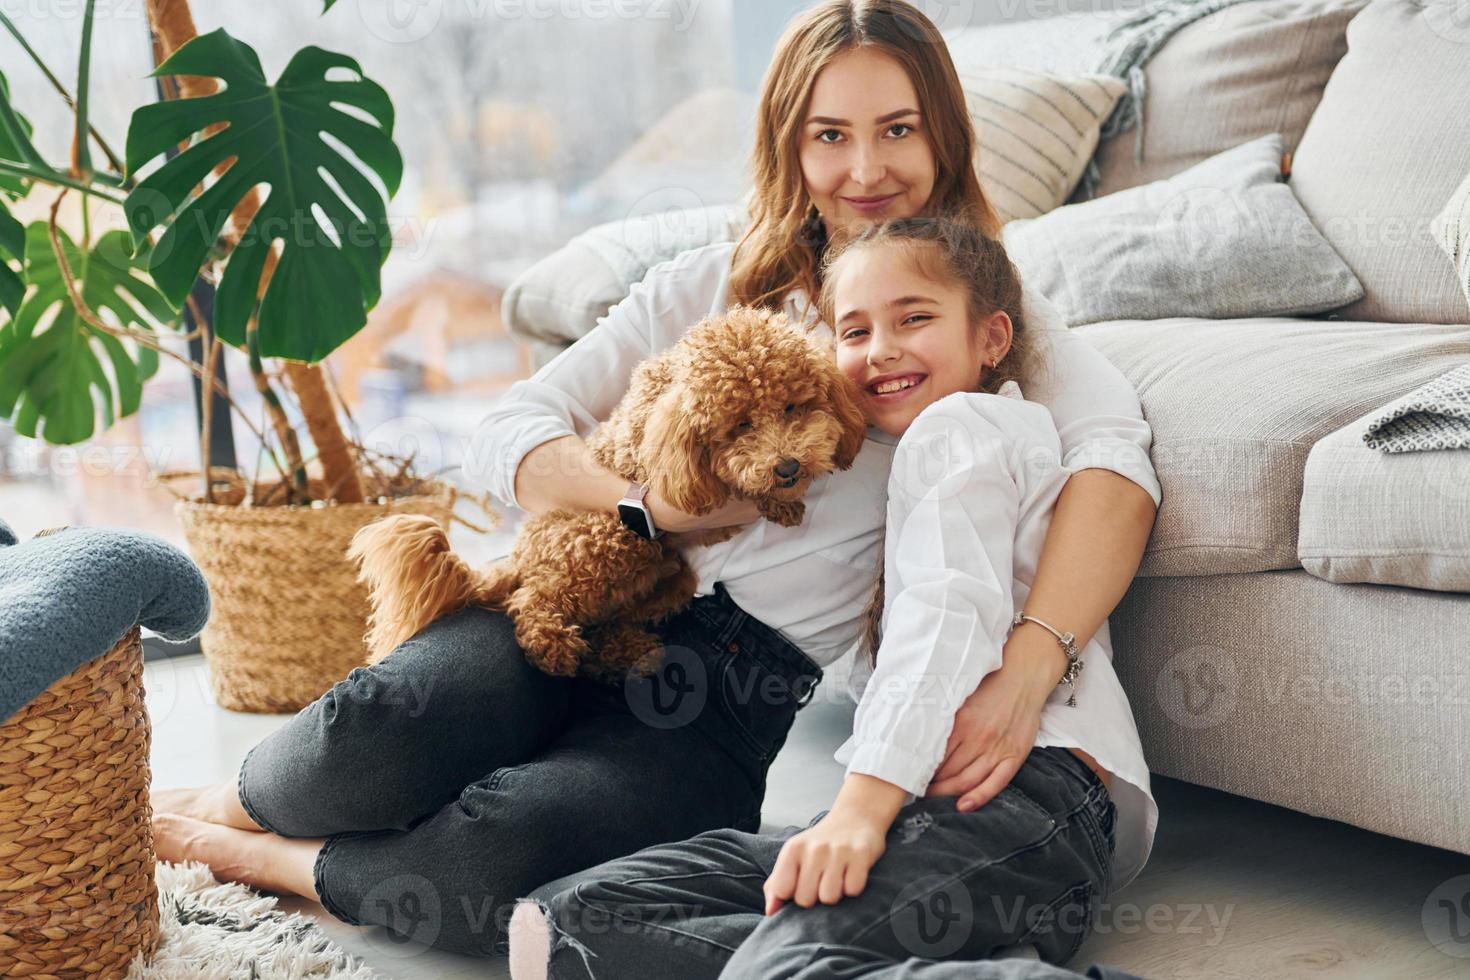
<point>787,468</point>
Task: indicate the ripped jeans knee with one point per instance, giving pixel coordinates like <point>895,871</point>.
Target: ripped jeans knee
<point>538,942</point>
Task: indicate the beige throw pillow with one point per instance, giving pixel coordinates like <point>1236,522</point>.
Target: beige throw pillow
<point>1232,76</point>
<point>1035,133</point>
<point>1385,149</point>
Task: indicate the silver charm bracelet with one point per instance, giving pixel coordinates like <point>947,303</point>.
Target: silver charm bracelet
<point>1069,647</point>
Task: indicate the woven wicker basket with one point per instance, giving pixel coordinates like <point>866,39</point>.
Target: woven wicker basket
<point>77,897</point>
<point>288,613</point>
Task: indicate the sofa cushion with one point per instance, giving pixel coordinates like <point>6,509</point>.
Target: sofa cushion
<point>1034,133</point>
<point>1237,405</point>
<point>1225,238</point>
<point>1385,150</point>
<point>562,296</point>
<point>1239,73</point>
<point>1387,518</point>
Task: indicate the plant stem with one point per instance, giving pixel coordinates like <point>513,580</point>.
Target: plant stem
<point>50,176</point>
<point>112,158</point>
<point>81,156</point>
<point>207,421</point>
<point>299,492</point>
<point>339,469</point>
<point>143,338</point>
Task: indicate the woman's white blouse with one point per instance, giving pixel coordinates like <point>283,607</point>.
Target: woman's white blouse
<point>812,581</point>
<point>971,492</point>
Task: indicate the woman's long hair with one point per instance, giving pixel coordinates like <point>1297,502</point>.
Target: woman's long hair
<point>953,251</point>
<point>783,246</point>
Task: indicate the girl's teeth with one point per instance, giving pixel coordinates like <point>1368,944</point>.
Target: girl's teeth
<point>892,386</point>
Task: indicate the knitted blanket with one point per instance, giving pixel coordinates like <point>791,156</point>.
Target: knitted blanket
<point>1126,49</point>
<point>1434,416</point>
<point>68,597</point>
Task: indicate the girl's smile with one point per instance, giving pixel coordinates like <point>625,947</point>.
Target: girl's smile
<point>890,388</point>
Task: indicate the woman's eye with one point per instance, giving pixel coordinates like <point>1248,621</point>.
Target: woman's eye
<point>828,132</point>
<point>903,126</point>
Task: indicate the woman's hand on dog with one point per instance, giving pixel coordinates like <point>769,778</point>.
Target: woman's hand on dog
<point>669,518</point>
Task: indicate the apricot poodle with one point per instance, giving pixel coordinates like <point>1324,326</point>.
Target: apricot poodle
<point>745,405</point>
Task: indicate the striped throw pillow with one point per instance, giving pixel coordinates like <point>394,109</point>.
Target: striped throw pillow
<point>1035,133</point>
<point>1451,229</point>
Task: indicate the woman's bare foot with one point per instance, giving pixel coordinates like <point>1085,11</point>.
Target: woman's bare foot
<point>265,862</point>
<point>217,803</point>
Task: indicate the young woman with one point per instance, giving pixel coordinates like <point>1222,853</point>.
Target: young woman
<point>927,316</point>
<point>428,791</point>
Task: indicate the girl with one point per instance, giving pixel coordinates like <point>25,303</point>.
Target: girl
<point>928,321</point>
<point>425,792</point>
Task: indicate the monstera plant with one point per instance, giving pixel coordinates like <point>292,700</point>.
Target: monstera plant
<point>294,272</point>
<point>294,275</point>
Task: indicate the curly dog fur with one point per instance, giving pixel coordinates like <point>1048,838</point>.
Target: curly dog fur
<point>745,405</point>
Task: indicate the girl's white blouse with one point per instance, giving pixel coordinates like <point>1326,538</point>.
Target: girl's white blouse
<point>971,492</point>
<point>812,581</point>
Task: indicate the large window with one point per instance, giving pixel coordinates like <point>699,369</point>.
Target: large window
<point>522,122</point>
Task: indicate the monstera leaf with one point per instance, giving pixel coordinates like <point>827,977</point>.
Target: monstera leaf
<point>49,374</point>
<point>12,234</point>
<point>324,283</point>
<point>12,247</point>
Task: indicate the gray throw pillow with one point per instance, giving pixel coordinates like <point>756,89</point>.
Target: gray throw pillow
<point>1225,238</point>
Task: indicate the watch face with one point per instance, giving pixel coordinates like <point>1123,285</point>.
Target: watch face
<point>637,520</point>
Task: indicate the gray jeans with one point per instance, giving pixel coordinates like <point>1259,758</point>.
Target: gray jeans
<point>452,777</point>
<point>950,889</point>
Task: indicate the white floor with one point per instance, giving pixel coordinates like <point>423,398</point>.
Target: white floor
<point>1235,888</point>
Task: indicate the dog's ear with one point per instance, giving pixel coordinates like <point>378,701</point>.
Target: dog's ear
<point>842,395</point>
<point>676,459</point>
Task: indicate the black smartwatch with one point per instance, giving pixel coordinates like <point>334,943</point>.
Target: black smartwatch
<point>635,513</point>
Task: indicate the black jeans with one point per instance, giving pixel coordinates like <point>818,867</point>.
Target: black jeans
<point>452,776</point>
<point>950,889</point>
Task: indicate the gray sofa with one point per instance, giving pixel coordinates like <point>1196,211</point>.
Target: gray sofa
<point>1299,631</point>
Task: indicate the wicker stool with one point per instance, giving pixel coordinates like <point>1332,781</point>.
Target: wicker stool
<point>77,896</point>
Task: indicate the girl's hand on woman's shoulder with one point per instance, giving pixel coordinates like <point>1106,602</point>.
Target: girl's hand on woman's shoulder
<point>825,862</point>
